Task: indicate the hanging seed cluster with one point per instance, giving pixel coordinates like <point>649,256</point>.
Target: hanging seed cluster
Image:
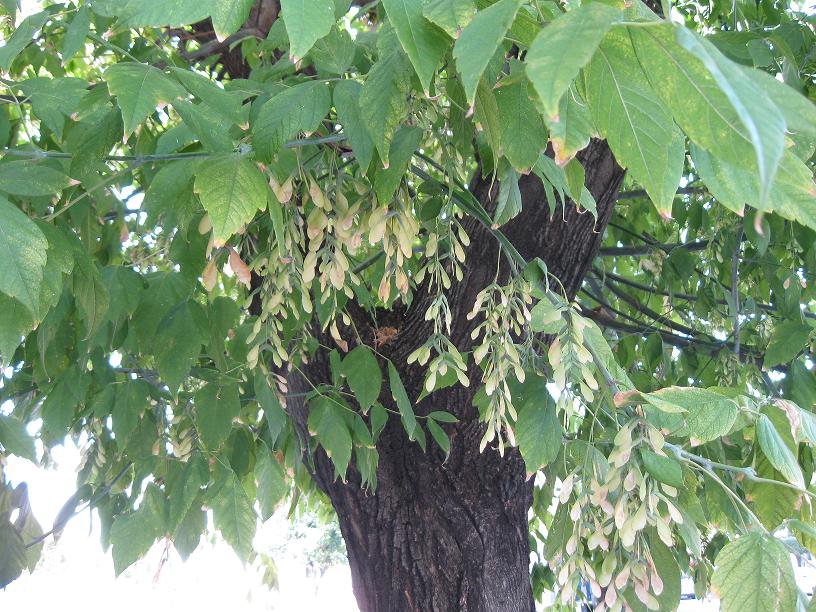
<point>612,506</point>
<point>505,318</point>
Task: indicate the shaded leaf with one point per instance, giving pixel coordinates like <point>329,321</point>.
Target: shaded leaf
<point>363,373</point>
<point>423,42</point>
<point>328,423</point>
<point>139,89</point>
<point>234,516</point>
<point>22,256</point>
<point>215,407</point>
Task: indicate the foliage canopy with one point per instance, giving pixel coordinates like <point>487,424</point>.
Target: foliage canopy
<point>177,238</point>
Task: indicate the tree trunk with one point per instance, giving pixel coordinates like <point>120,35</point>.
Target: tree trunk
<point>452,534</point>
<point>445,534</point>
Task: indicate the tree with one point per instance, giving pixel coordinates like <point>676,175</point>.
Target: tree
<point>378,257</point>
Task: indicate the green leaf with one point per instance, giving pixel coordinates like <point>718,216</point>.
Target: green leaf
<point>664,469</point>
<point>807,430</point>
<point>133,534</point>
<point>270,480</point>
<point>703,105</point>
<point>25,178</point>
<point>184,485</point>
<point>234,516</point>
<point>571,130</point>
<point>778,452</point>
<point>300,108</point>
<point>30,531</point>
<point>442,416</point>
<point>15,439</point>
<point>450,15</point>
<point>792,196</point>
<point>509,203</point>
<point>20,38</point>
<point>229,104</point>
<point>328,423</point>
<point>423,42</point>
<point>275,416</point>
<point>702,414</point>
<point>231,190</point>
<point>379,417</point>
<point>139,13</point>
<point>62,400</point>
<point>94,141</point>
<point>333,54</point>
<point>215,407</point>
<point>132,398</point>
<point>387,180</point>
<point>210,127</point>
<point>487,114</point>
<point>13,560</point>
<point>631,117</point>
<point>764,124</point>
<point>52,100</point>
<point>539,432</point>
<point>787,341</point>
<point>139,89</point>
<point>665,566</point>
<point>306,22</point>
<point>125,288</point>
<point>346,102</point>
<point>563,47</point>
<point>439,435</point>
<point>229,15</point>
<point>594,337</point>
<point>383,99</point>
<point>15,322</point>
<point>363,373</point>
<point>403,403</point>
<point>76,33</point>
<point>754,574</point>
<point>91,294</point>
<point>522,133</point>
<point>22,256</point>
<point>179,338</point>
<point>187,535</point>
<point>479,41</point>
<point>799,111</point>
<point>171,191</point>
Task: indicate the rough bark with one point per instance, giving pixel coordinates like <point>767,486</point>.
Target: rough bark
<point>453,535</point>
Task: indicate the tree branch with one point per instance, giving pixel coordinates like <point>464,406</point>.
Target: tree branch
<point>602,275</point>
<point>641,193</point>
<point>698,245</point>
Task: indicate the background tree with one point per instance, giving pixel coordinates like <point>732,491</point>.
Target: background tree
<point>377,257</point>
